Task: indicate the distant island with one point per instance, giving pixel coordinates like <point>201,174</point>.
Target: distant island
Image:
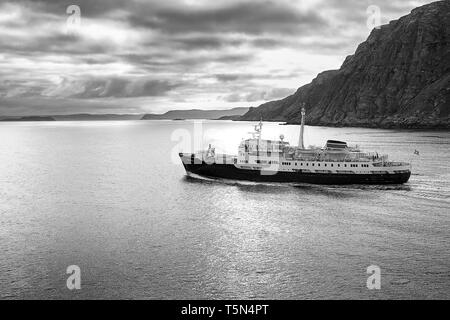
<point>177,115</point>
<point>233,118</point>
<point>74,117</point>
<point>197,114</point>
<point>398,78</point>
<point>97,117</point>
<point>29,118</point>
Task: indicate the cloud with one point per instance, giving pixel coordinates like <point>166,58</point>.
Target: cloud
<point>253,17</point>
<point>110,88</point>
<point>230,77</point>
<point>254,96</point>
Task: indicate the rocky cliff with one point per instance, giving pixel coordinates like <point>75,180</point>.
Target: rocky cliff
<point>398,78</point>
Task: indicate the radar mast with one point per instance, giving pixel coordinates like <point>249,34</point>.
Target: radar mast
<point>302,127</point>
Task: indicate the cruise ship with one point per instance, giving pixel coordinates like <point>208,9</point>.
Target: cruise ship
<point>262,160</point>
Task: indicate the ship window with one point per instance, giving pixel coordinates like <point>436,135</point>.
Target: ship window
<point>332,165</point>
<point>325,164</point>
<point>345,165</point>
<point>318,165</point>
<point>313,164</point>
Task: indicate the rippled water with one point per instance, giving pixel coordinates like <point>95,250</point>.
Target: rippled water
<point>112,198</point>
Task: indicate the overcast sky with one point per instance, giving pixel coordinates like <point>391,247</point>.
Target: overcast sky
<point>141,56</point>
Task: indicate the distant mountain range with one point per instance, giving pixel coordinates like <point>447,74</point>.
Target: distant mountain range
<point>75,117</point>
<point>398,78</point>
<point>28,118</point>
<point>231,114</point>
<point>96,117</point>
<point>197,114</point>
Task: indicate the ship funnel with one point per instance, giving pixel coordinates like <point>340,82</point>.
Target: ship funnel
<point>302,128</point>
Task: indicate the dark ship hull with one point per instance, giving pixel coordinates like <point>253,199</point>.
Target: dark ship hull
<point>230,171</point>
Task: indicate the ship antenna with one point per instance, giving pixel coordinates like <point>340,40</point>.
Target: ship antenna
<point>302,127</point>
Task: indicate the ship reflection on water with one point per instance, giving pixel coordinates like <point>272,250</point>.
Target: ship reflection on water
<point>262,187</point>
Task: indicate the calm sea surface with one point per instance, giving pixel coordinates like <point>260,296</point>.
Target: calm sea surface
<point>112,198</point>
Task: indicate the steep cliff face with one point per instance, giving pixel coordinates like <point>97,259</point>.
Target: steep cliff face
<point>398,78</point>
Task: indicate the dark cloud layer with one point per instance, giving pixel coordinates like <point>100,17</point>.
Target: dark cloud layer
<point>255,17</point>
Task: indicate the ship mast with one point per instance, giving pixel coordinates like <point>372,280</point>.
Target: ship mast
<point>302,128</point>
<point>257,134</point>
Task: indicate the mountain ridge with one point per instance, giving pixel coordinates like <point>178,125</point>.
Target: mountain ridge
<point>227,114</point>
<point>398,78</point>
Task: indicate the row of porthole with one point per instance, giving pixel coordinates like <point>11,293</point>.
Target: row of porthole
<point>312,164</point>
<point>307,164</point>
